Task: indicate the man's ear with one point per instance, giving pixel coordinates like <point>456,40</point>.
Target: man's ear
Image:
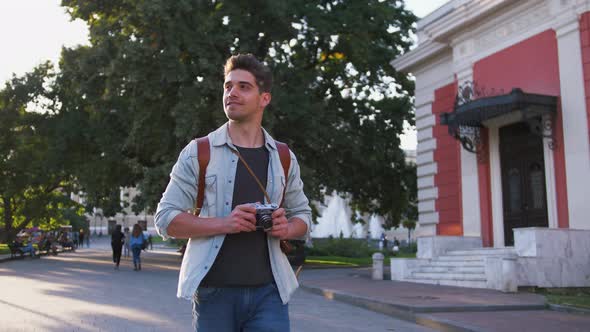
<point>265,99</point>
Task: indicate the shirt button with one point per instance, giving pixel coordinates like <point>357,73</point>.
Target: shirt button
<point>229,181</point>
<point>233,160</point>
<point>206,267</point>
<point>226,203</point>
<point>216,247</point>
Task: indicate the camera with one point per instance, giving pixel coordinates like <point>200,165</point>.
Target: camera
<point>264,215</point>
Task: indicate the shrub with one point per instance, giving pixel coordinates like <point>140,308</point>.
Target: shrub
<point>340,247</point>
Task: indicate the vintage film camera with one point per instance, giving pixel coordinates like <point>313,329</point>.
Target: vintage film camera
<point>264,215</point>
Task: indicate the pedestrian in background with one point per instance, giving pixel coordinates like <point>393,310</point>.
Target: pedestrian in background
<point>137,240</point>
<point>117,240</point>
<point>81,238</point>
<point>126,246</point>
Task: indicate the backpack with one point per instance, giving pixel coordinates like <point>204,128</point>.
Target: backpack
<point>294,249</point>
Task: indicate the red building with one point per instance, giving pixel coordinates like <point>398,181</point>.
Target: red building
<point>502,112</point>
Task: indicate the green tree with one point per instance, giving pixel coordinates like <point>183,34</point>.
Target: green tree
<point>34,178</point>
<point>151,80</point>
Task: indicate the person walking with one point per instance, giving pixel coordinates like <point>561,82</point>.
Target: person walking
<point>81,237</point>
<point>233,269</point>
<point>117,240</point>
<point>126,246</point>
<point>137,243</point>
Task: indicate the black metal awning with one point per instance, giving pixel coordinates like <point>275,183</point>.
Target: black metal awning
<point>474,113</point>
<point>470,114</point>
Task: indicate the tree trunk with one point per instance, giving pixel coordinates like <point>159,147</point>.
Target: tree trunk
<point>7,234</point>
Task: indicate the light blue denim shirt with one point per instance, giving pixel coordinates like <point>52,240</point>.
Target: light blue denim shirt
<point>180,196</point>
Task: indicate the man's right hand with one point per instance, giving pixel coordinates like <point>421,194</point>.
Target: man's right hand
<point>241,219</point>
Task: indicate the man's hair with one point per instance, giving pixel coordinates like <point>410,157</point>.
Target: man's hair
<point>249,63</point>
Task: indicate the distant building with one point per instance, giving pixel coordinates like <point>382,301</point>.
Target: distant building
<point>98,223</point>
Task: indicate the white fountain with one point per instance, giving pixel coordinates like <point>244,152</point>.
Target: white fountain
<point>335,219</point>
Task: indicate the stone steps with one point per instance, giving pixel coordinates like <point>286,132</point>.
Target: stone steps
<point>450,282</point>
<point>478,276</point>
<point>455,263</point>
<point>451,268</point>
<point>463,268</point>
<point>510,251</point>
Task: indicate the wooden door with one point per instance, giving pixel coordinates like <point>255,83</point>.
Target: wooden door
<point>523,180</point>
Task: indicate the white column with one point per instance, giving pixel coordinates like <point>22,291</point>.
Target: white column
<point>496,187</point>
<point>575,124</point>
<point>550,183</point>
<point>469,179</point>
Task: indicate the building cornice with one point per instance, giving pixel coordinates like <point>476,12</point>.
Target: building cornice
<point>437,27</point>
<point>409,61</point>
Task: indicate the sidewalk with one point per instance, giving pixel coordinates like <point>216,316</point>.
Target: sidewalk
<point>442,307</point>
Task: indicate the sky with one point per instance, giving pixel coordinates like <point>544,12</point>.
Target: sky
<point>34,31</point>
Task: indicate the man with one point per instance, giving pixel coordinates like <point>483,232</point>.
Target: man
<point>236,275</point>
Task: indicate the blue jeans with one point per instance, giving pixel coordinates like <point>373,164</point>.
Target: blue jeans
<point>136,252</point>
<point>240,309</point>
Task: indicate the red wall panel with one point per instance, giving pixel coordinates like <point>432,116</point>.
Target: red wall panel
<point>447,157</point>
<point>531,65</point>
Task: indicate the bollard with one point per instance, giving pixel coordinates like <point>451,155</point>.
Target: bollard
<point>378,266</point>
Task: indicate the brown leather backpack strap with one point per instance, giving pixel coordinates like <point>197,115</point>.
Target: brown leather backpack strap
<point>203,155</point>
<point>285,156</point>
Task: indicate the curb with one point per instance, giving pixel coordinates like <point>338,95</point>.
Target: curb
<point>569,309</point>
<point>417,315</point>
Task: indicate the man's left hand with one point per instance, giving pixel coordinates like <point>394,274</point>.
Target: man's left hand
<point>280,224</point>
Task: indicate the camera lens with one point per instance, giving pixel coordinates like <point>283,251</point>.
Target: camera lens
<point>265,221</point>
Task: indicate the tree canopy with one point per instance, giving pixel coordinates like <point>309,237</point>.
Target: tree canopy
<point>35,177</point>
<point>151,80</point>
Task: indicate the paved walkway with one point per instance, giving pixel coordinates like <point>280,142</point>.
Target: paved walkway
<point>80,291</point>
<point>442,307</point>
<point>432,307</point>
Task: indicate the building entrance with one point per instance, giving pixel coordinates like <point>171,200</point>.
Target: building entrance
<point>523,180</point>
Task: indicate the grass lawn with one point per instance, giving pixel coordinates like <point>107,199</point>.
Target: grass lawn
<point>157,239</point>
<point>575,297</point>
<point>349,261</point>
<point>4,249</point>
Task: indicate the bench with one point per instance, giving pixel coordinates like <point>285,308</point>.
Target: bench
<point>15,250</point>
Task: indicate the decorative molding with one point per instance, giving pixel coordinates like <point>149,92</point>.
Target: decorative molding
<point>464,14</point>
<point>499,33</point>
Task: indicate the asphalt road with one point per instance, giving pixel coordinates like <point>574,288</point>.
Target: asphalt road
<point>82,292</point>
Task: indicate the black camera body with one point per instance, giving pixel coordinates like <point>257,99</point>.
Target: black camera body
<point>264,215</point>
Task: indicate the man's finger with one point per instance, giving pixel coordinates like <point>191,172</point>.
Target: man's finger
<point>251,218</point>
<point>279,221</point>
<point>246,226</point>
<point>278,213</point>
<point>279,227</point>
<point>246,208</point>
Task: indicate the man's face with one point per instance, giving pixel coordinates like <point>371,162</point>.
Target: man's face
<point>242,100</point>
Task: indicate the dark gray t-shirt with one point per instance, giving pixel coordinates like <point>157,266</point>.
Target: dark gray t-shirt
<point>243,259</point>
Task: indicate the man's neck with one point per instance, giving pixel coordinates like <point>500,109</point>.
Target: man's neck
<point>246,135</point>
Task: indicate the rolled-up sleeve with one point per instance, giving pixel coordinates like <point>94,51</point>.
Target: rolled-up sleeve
<point>181,192</point>
<point>296,203</point>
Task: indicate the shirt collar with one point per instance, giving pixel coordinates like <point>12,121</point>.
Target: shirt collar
<point>221,136</point>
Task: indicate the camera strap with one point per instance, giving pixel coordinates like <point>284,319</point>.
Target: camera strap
<point>237,153</point>
<point>204,155</point>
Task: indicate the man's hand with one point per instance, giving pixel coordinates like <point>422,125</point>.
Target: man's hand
<point>280,224</point>
<point>241,219</point>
